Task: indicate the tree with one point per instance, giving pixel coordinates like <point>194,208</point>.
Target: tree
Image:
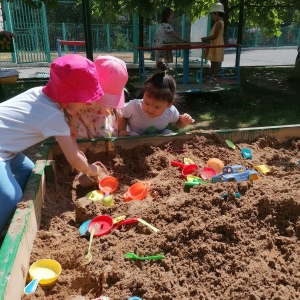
<point>266,14</point>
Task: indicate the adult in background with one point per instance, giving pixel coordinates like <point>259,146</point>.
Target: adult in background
<point>165,35</point>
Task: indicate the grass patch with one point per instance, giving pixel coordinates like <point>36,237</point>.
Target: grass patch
<point>266,97</point>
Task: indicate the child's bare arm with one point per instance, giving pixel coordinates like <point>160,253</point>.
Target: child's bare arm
<point>177,36</point>
<point>215,35</point>
<point>184,120</point>
<point>75,157</point>
<point>122,123</point>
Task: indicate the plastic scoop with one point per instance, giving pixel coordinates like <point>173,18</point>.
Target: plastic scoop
<point>44,271</point>
<point>83,229</point>
<point>193,180</point>
<point>131,255</point>
<point>118,219</point>
<point>230,144</point>
<point>125,222</point>
<point>246,153</point>
<point>148,225</point>
<point>89,256</point>
<point>135,220</point>
<point>188,161</point>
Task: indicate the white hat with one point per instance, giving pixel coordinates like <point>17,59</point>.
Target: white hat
<point>217,7</point>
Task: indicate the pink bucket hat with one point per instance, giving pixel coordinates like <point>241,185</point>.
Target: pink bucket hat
<point>112,75</point>
<point>73,79</point>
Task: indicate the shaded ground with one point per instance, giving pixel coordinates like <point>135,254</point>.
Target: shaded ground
<point>266,97</point>
<point>238,248</point>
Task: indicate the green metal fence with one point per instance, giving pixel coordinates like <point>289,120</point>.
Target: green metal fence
<point>38,30</point>
<point>30,27</point>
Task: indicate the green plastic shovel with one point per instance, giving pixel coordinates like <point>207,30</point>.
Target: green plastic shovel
<point>230,144</point>
<point>131,255</point>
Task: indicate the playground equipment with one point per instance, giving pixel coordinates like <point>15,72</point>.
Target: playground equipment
<point>187,85</point>
<point>75,44</point>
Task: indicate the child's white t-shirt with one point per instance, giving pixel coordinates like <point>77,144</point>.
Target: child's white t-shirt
<point>141,124</point>
<point>28,119</point>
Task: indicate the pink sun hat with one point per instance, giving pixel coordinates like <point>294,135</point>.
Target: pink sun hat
<point>73,79</point>
<point>113,76</point>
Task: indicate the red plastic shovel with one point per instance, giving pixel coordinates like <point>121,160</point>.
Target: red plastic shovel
<point>125,222</point>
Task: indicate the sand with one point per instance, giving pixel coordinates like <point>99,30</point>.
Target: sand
<point>214,248</point>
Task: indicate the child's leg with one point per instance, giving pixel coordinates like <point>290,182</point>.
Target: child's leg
<point>211,70</point>
<point>21,168</point>
<point>215,69</point>
<point>14,175</point>
<point>10,194</point>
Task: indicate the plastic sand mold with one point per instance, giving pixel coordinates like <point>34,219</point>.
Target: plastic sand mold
<point>95,195</point>
<point>263,169</point>
<point>105,225</point>
<point>207,173</point>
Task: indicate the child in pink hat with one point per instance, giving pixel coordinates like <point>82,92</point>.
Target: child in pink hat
<point>101,119</point>
<point>39,113</point>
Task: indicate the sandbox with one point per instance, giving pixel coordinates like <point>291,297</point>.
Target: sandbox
<point>214,247</point>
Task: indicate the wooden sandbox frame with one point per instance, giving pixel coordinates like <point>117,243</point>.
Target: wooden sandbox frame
<point>19,240</point>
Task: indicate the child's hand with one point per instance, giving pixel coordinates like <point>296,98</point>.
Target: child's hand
<point>186,119</point>
<point>123,133</point>
<point>101,170</point>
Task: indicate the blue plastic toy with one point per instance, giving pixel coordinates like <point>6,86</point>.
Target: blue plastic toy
<point>235,173</point>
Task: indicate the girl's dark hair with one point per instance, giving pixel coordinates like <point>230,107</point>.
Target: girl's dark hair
<point>165,14</point>
<point>161,87</point>
<point>220,14</point>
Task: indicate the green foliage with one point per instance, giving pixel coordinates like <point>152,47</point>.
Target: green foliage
<point>119,41</point>
<point>296,18</point>
<point>266,14</point>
